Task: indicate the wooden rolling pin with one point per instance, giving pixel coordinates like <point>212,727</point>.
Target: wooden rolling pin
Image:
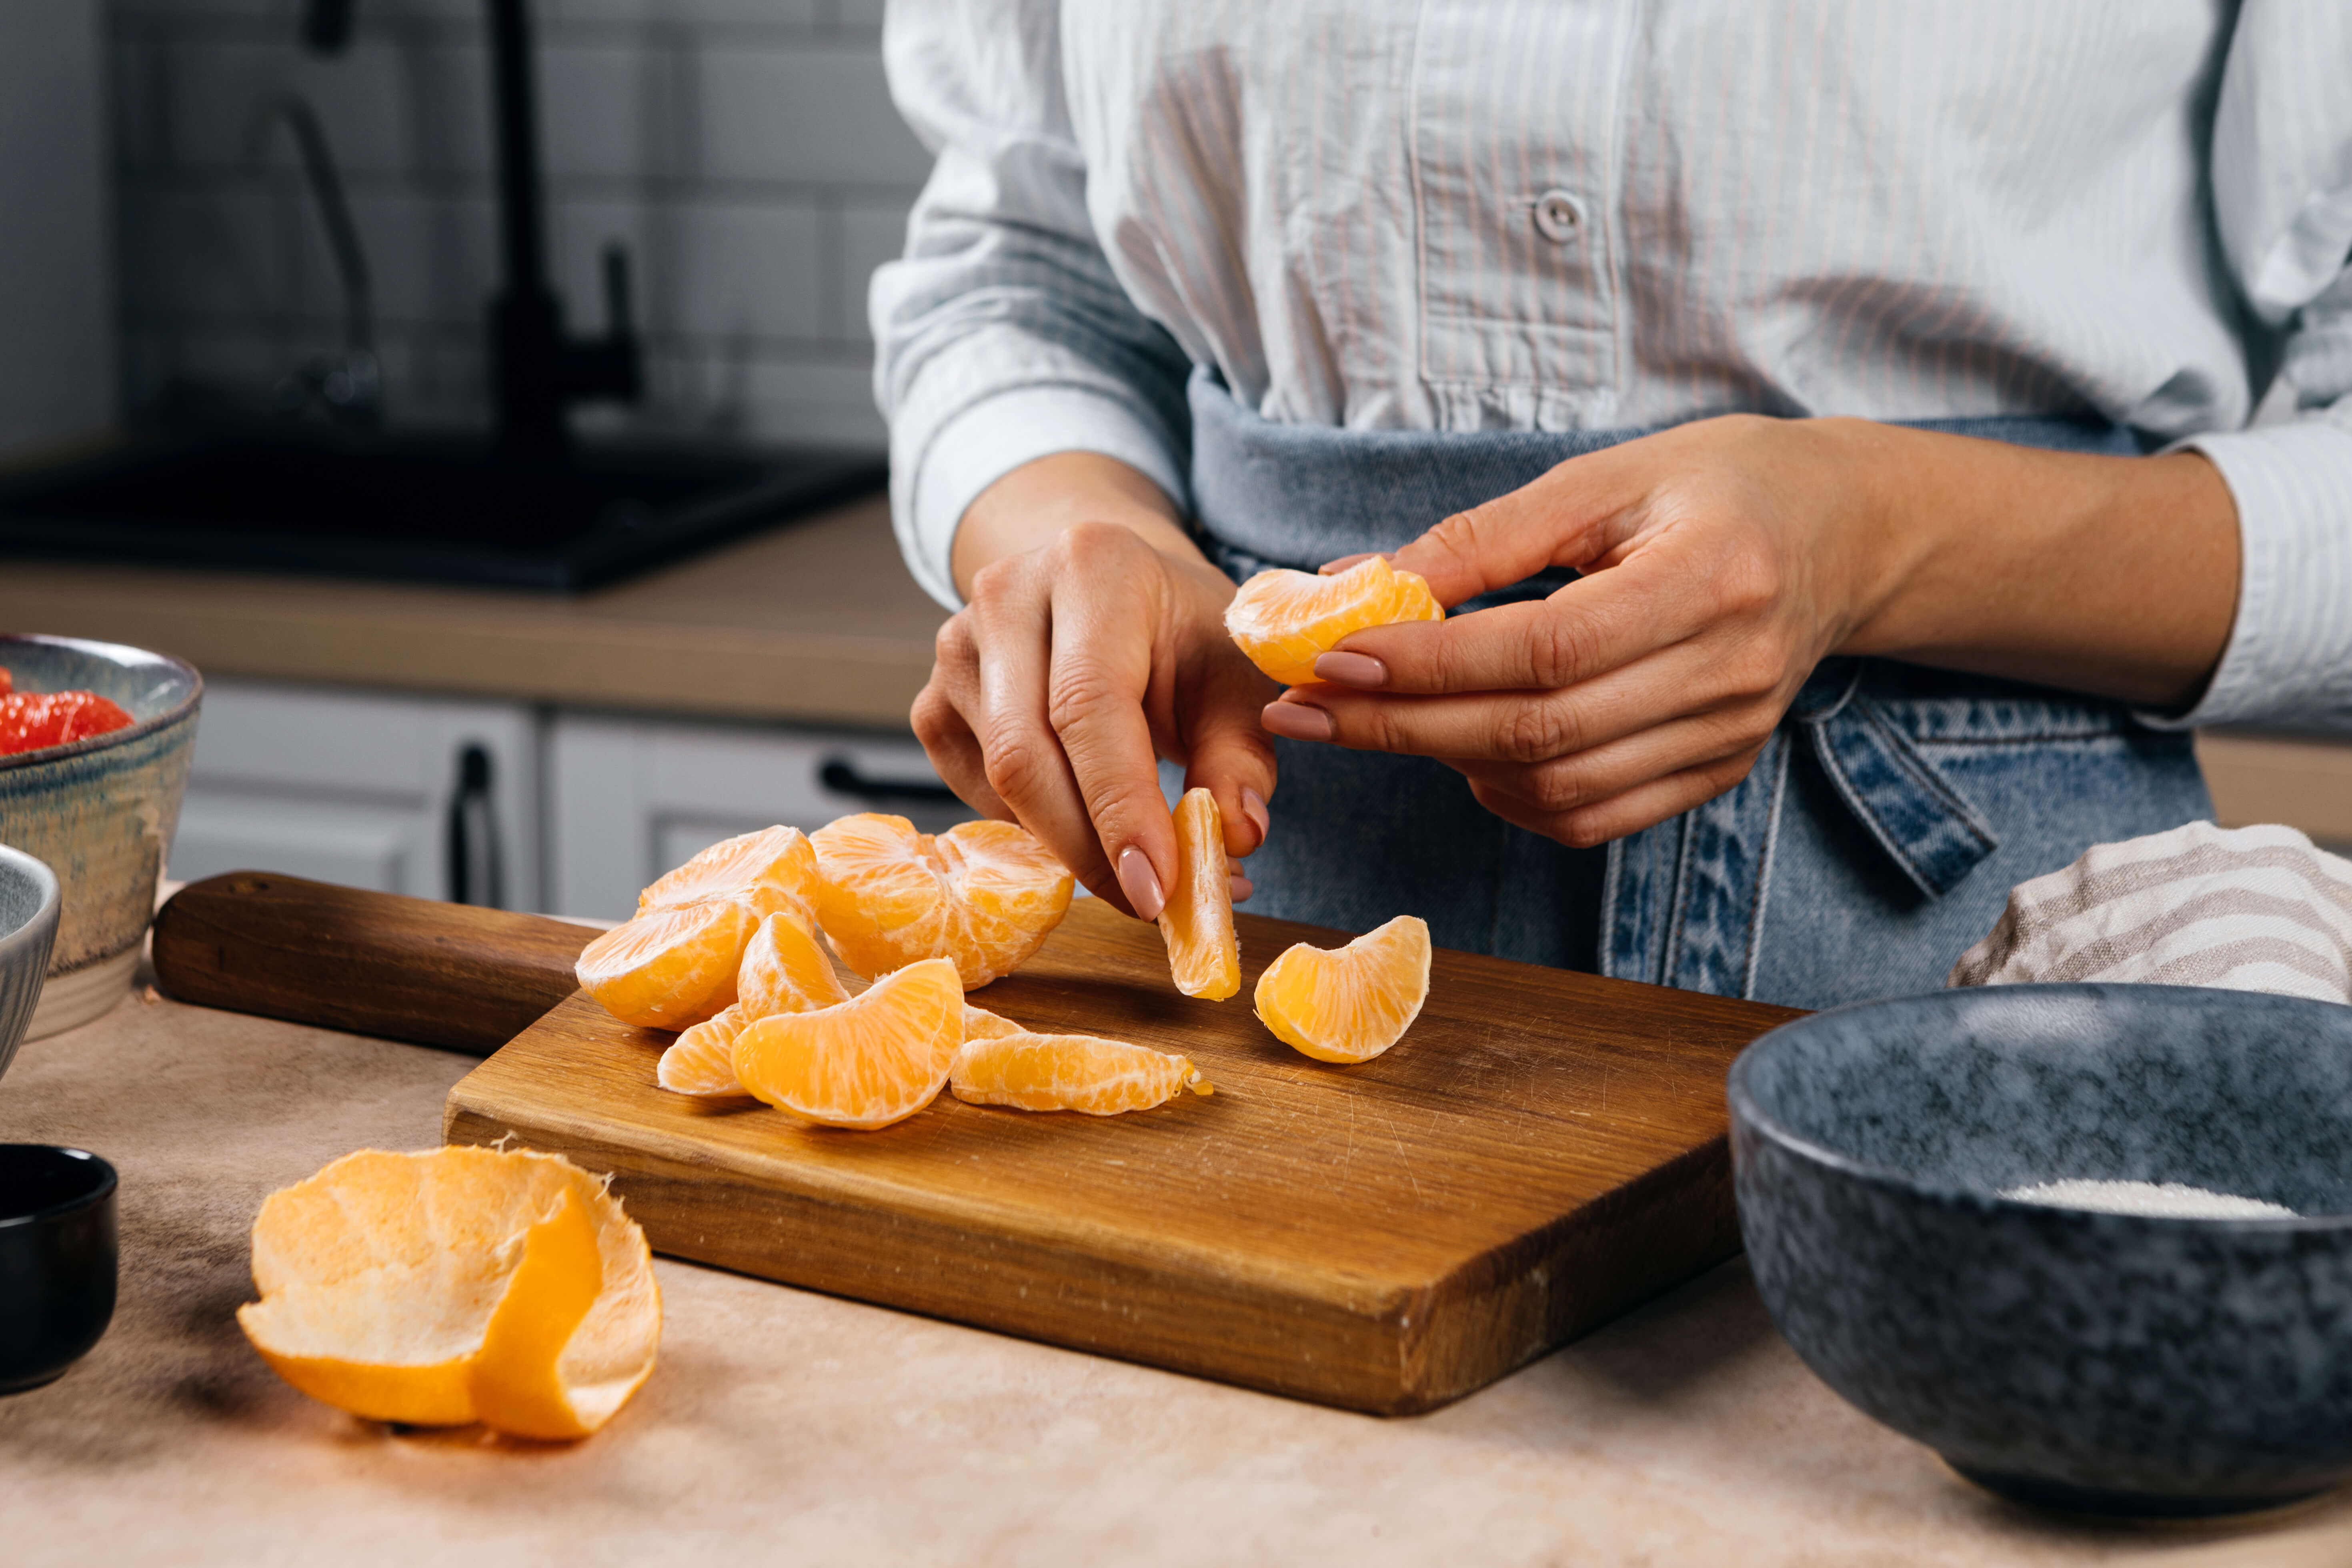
<point>372,963</point>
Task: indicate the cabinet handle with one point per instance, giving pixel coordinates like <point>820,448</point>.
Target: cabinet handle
<point>840,775</point>
<point>476,867</point>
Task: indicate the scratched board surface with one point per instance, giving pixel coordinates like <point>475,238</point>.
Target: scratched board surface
<point>1542,1151</point>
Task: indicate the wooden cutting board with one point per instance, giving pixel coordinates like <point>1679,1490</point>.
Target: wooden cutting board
<point>1543,1151</point>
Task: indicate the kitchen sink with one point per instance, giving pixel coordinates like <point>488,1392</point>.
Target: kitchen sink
<point>425,508</point>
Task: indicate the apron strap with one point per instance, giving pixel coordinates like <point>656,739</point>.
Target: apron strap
<point>1933,833</point>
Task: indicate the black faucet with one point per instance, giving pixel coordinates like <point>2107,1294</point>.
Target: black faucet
<point>536,369</point>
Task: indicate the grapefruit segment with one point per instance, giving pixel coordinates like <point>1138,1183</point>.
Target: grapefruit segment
<point>669,967</point>
<point>1197,921</point>
<point>983,895</point>
<point>1349,1004</point>
<point>1285,620</point>
<point>865,1063</point>
<point>454,1285</point>
<point>1069,1072</point>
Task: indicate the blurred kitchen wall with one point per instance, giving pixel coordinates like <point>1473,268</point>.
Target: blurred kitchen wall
<point>58,357</point>
<point>745,150</point>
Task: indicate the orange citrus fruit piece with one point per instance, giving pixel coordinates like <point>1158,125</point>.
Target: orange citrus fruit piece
<point>1197,922</point>
<point>454,1285</point>
<point>1349,1004</point>
<point>669,967</point>
<point>786,970</point>
<point>701,1060</point>
<point>1287,620</point>
<point>980,1023</point>
<point>983,895</point>
<point>877,1058</point>
<point>772,869</point>
<point>1069,1072</point>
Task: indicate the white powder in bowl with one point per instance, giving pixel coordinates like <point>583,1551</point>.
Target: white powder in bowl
<point>2173,1199</point>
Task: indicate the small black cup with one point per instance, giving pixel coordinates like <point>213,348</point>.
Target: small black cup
<point>57,1260</point>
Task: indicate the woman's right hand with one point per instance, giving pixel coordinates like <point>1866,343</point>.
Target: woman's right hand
<point>1091,644</point>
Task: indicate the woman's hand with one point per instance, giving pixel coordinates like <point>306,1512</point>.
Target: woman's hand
<point>1093,642</point>
<point>1722,559</point>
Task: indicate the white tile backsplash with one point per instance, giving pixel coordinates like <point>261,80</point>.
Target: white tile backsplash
<point>745,150</point>
<point>819,111</point>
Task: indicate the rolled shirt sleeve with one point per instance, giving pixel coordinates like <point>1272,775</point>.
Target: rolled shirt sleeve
<point>1001,335</point>
<point>2283,197</point>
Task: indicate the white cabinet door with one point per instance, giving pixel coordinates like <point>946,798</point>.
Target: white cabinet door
<point>358,788</point>
<point>628,799</point>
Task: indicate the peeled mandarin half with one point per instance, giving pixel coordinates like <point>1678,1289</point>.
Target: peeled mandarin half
<point>671,966</point>
<point>983,895</point>
<point>1350,1004</point>
<point>1197,922</point>
<point>772,869</point>
<point>454,1285</point>
<point>865,1063</point>
<point>1287,620</point>
<point>1069,1072</point>
<point>785,969</point>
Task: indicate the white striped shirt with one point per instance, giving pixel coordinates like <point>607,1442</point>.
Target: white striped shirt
<point>1478,214</point>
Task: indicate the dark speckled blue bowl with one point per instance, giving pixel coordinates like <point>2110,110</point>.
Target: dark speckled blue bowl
<point>2100,1363</point>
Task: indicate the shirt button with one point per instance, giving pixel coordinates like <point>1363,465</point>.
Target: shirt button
<point>1560,216</point>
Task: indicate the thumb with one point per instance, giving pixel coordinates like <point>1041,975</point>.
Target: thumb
<point>1553,520</point>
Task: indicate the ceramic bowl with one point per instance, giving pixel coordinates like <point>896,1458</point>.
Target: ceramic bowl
<point>28,929</point>
<point>101,812</point>
<point>2115,1363</point>
<point>57,1260</point>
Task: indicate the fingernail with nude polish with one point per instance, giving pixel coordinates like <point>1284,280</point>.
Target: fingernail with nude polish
<point>1254,807</point>
<point>1239,889</point>
<point>1297,720</point>
<point>1351,669</point>
<point>1140,883</point>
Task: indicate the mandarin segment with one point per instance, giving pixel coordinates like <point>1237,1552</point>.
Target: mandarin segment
<point>772,869</point>
<point>1285,620</point>
<point>983,895</point>
<point>670,967</point>
<point>1197,921</point>
<point>701,1060</point>
<point>877,1058</point>
<point>785,969</point>
<point>1349,1004</point>
<point>1069,1072</point>
<point>455,1285</point>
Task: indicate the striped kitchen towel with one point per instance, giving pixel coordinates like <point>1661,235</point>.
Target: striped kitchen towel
<point>2252,908</point>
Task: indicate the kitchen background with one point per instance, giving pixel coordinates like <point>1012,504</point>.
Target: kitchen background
<point>572,746</point>
<point>744,151</point>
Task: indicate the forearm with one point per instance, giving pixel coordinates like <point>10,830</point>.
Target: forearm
<point>2117,576</point>
<point>1035,502</point>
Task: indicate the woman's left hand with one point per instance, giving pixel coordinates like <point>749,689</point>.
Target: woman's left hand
<point>1723,559</point>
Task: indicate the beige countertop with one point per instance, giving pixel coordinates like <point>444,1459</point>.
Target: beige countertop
<point>789,1427</point>
<point>816,621</point>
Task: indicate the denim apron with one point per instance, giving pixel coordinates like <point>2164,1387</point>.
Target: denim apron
<point>1872,842</point>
